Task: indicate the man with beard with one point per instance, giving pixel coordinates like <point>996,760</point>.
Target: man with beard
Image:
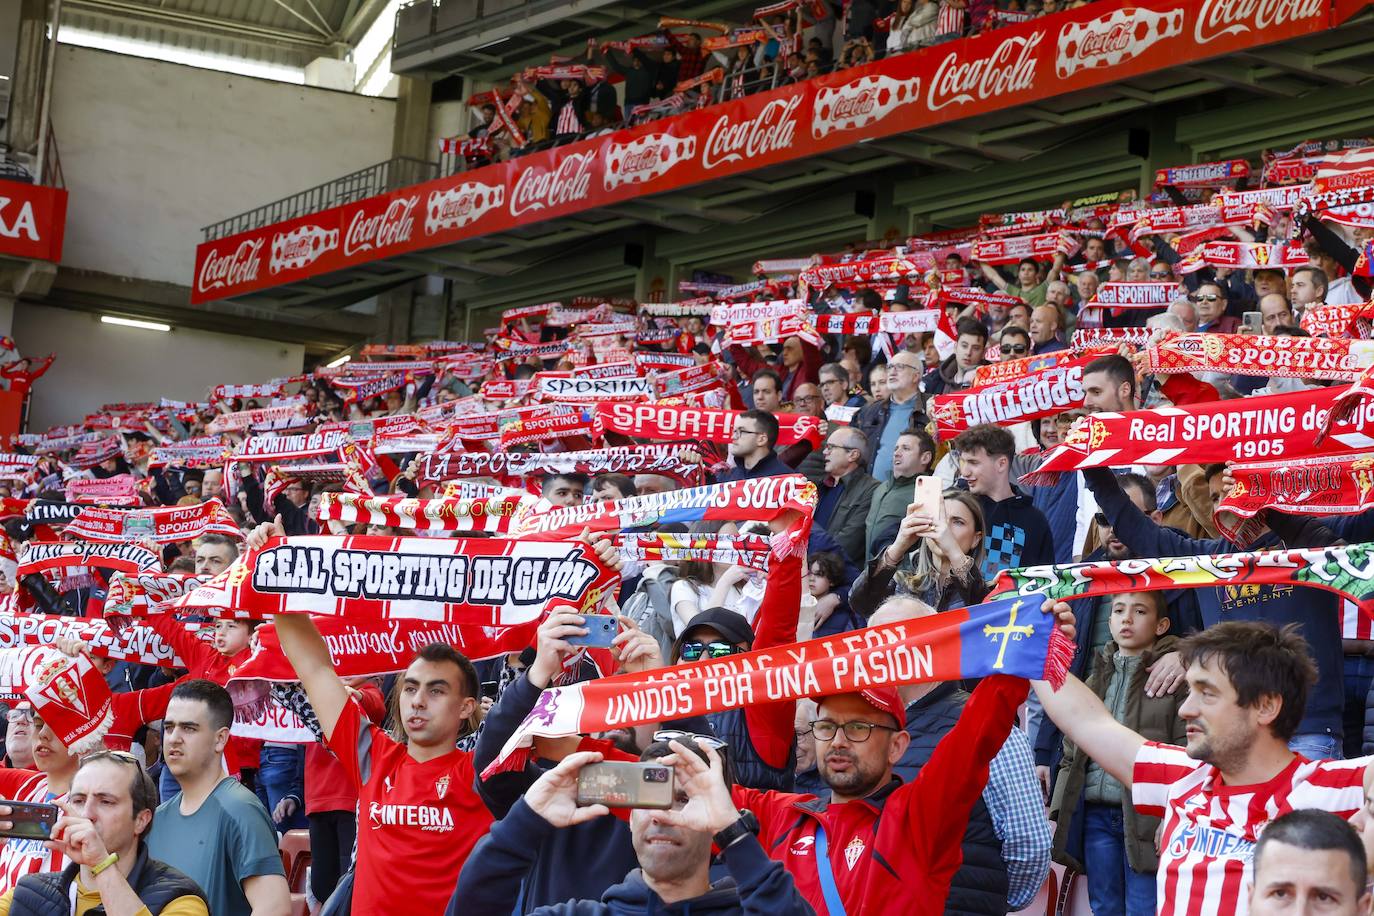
<point>1248,684</point>
<point>877,844</point>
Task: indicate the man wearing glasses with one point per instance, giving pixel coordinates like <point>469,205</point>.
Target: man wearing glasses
<point>108,813</point>
<point>877,844</point>
<point>846,492</point>
<point>751,447</point>
<point>19,738</point>
<point>1015,342</point>
<point>1210,301</point>
<point>884,420</point>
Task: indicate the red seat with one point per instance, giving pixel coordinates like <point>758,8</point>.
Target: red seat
<point>299,905</point>
<point>295,850</point>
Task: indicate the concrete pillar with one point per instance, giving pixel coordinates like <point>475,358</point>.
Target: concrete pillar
<point>26,91</point>
<point>410,134</point>
<point>393,315</point>
<point>1165,150</point>
<point>889,219</point>
<point>7,304</point>
<point>655,281</point>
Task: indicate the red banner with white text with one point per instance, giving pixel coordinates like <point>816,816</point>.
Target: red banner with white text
<point>33,219</point>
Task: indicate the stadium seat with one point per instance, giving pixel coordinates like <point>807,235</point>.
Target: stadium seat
<point>300,906</point>
<point>295,847</point>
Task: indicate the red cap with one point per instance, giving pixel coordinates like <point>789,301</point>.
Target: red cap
<point>886,699</point>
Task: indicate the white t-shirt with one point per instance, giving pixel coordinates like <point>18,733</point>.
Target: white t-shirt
<point>1210,829</point>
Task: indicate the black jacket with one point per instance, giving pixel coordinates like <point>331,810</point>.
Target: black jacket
<point>980,885</point>
<point>156,884</point>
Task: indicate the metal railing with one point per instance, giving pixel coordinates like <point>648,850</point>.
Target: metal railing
<point>391,175</point>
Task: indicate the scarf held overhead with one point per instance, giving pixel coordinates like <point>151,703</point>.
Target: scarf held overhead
<point>1328,485</point>
<point>1250,354</point>
<point>165,525</point>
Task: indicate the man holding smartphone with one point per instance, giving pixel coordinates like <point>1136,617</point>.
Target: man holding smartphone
<point>46,784</point>
<point>673,846</point>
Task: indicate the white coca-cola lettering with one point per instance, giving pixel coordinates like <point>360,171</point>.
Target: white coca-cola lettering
<point>393,226</point>
<point>645,159</point>
<point>1009,69</point>
<point>860,102</point>
<point>300,247</point>
<point>454,208</point>
<point>772,129</point>
<point>1225,17</point>
<point>16,222</point>
<point>538,188</point>
<point>233,269</point>
<point>1110,40</point>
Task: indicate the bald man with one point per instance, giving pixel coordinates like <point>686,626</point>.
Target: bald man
<point>1275,312</point>
<point>1044,330</point>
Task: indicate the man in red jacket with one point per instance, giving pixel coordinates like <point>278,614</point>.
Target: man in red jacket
<point>878,844</point>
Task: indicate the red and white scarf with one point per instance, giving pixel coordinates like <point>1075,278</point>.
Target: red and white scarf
<point>147,593</point>
<point>638,459</point>
<point>1323,486</point>
<point>1252,354</point>
<point>752,551</point>
<point>1046,393</point>
<point>492,514</point>
<point>165,525</point>
<point>120,490</point>
<point>590,390</point>
<point>281,448</point>
<point>261,418</point>
<point>1086,339</point>
<point>548,423</point>
<point>1243,256</point>
<point>1356,320</point>
<point>130,643</point>
<point>70,694</point>
<point>484,581</point>
<point>199,453</point>
<point>126,558</point>
<point>265,390</point>
<point>695,424</point>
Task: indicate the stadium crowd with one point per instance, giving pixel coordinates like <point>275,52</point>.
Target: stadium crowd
<point>688,64</point>
<point>755,549</point>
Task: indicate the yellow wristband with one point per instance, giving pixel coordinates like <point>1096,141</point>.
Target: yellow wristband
<point>105,863</point>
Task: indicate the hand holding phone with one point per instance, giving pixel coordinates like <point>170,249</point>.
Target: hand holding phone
<point>602,630</point>
<point>928,497</point>
<point>625,784</point>
<point>27,820</point>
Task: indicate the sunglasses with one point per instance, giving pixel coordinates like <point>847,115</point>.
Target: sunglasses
<point>691,651</point>
<point>710,741</point>
<point>1209,297</point>
<point>1160,276</point>
<point>1009,349</point>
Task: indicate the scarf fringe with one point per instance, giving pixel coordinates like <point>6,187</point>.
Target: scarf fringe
<point>1058,658</point>
<point>95,741</point>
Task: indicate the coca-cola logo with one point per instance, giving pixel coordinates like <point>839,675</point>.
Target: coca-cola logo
<point>537,189</point>
<point>1009,69</point>
<point>393,226</point>
<point>1118,38</point>
<point>861,102</point>
<point>773,128</point>
<point>640,161</point>
<point>233,269</point>
<point>1228,17</point>
<point>301,247</point>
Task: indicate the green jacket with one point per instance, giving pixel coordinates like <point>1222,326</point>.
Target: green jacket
<point>889,506</point>
<point>1154,719</point>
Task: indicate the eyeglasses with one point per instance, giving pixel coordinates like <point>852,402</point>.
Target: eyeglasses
<point>740,431</point>
<point>856,731</point>
<point>710,741</point>
<point>1009,349</point>
<point>691,651</point>
<point>831,446</point>
<point>1101,520</point>
<point>897,366</point>
<point>1161,276</point>
<point>1208,297</point>
<point>19,716</point>
<point>803,398</point>
<point>121,756</point>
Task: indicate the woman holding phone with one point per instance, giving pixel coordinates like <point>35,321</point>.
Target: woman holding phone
<point>937,557</point>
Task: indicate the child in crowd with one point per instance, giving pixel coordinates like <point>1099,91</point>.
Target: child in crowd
<point>1097,825</point>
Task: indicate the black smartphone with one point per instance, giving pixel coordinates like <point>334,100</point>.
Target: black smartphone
<point>30,820</point>
<point>601,630</point>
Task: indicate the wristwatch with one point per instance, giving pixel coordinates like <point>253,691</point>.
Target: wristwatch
<point>746,825</point>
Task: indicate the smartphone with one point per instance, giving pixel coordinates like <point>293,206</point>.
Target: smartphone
<point>625,784</point>
<point>489,689</point>
<point>1252,322</point>
<point>928,498</point>
<point>601,630</point>
<point>31,821</point>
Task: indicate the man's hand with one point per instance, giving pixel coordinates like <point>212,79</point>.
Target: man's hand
<point>604,548</point>
<point>259,535</point>
<point>70,646</point>
<point>1042,776</point>
<point>554,795</point>
<point>1063,616</point>
<point>77,839</point>
<point>635,650</point>
<point>1166,676</point>
<point>284,809</point>
<point>709,807</point>
<point>552,646</point>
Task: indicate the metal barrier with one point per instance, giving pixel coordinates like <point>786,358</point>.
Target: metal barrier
<point>390,175</point>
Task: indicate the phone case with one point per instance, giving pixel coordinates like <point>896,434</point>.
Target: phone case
<point>31,820</point>
<point>601,631</point>
<point>625,784</point>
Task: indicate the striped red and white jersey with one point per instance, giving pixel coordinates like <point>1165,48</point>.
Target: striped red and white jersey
<point>1354,623</point>
<point>950,20</point>
<point>26,857</point>
<point>1210,829</point>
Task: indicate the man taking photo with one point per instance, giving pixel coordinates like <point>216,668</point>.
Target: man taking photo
<point>109,812</point>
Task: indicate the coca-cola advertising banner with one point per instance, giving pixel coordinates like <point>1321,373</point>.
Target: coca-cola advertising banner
<point>1073,50</point>
<point>32,220</point>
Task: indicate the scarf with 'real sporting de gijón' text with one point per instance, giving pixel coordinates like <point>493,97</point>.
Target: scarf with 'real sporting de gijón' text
<point>1252,354</point>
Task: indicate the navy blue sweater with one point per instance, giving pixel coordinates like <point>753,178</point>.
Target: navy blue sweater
<point>1316,612</point>
<point>493,873</point>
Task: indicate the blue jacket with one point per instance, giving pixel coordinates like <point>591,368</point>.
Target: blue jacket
<point>1316,612</point>
<point>493,873</point>
<point>770,466</point>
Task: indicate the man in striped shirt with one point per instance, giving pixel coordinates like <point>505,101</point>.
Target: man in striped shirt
<point>1248,685</point>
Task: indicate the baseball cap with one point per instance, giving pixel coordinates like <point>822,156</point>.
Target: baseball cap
<point>730,624</point>
<point>883,699</point>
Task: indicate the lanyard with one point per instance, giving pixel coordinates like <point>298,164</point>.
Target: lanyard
<point>833,904</point>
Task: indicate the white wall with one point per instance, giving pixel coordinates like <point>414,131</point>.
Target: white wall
<point>154,151</point>
<point>105,364</point>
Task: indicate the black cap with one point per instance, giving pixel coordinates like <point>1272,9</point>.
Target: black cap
<point>730,624</point>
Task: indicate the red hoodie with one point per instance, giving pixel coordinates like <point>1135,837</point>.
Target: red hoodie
<point>895,851</point>
<point>203,660</point>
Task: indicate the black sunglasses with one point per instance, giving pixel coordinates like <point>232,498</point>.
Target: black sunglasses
<point>691,651</point>
<point>1009,349</point>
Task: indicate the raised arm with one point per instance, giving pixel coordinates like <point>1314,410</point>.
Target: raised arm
<point>1081,716</point>
<point>305,648</point>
